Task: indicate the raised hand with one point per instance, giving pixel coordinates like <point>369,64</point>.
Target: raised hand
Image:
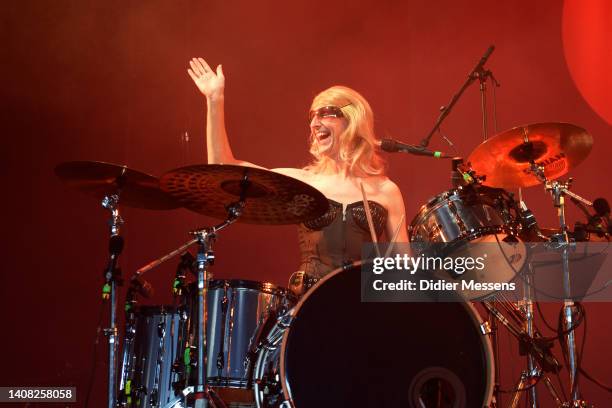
<point>209,82</point>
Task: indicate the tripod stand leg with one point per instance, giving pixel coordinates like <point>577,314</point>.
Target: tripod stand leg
<point>520,386</point>
<point>552,391</point>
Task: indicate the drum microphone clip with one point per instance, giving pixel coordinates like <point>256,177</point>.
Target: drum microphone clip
<point>462,174</point>
<point>186,263</point>
<point>141,286</point>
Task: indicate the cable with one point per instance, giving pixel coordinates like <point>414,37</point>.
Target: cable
<point>95,355</point>
<point>581,353</point>
<point>559,333</point>
<point>533,286</point>
<point>450,143</point>
<point>544,318</point>
<point>494,84</point>
<point>596,381</point>
<point>582,371</point>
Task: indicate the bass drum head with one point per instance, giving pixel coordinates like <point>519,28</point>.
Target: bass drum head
<point>341,352</point>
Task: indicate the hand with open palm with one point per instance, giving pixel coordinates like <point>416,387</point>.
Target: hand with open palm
<point>210,83</point>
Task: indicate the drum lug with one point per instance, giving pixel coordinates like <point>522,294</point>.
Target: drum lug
<point>285,320</point>
<point>485,328</point>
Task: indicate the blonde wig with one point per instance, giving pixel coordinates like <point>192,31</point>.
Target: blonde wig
<point>356,145</point>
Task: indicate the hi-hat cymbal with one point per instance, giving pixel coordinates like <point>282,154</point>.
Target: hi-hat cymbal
<point>271,198</point>
<point>100,179</point>
<point>505,158</point>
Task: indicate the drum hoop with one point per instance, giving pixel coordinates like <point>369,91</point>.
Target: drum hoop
<point>150,310</point>
<point>483,231</point>
<point>472,312</point>
<point>437,202</point>
<point>265,287</point>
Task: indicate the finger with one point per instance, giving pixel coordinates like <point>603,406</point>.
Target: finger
<point>195,66</point>
<point>220,71</point>
<point>204,64</point>
<point>192,75</point>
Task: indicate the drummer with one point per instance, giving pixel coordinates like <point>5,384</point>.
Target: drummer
<point>343,146</point>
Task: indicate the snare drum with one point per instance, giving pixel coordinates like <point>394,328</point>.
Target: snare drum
<point>332,350</point>
<point>474,215</point>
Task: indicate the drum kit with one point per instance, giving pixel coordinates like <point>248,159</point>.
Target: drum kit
<point>240,343</point>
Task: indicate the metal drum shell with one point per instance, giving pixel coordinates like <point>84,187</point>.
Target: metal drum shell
<point>459,218</point>
<point>233,334</point>
<point>157,343</point>
<point>462,217</point>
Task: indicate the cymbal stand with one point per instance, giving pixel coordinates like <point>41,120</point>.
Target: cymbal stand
<point>202,393</point>
<point>534,345</point>
<point>533,374</point>
<point>112,276</point>
<point>558,191</point>
<point>205,238</point>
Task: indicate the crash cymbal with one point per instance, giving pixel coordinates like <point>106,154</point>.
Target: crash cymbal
<point>100,179</point>
<point>505,158</point>
<point>271,198</point>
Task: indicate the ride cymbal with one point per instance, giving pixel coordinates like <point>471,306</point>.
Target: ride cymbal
<point>271,198</point>
<point>505,158</point>
<point>100,179</point>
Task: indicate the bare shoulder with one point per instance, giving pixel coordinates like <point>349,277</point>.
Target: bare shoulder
<point>393,194</point>
<point>387,186</point>
<point>299,174</point>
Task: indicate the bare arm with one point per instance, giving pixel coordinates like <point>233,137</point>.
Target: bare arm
<point>212,85</point>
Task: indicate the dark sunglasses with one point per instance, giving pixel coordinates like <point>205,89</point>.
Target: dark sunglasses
<point>327,112</point>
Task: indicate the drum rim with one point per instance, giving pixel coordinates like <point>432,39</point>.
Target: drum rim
<point>262,286</point>
<point>155,309</point>
<point>472,312</point>
<point>436,202</point>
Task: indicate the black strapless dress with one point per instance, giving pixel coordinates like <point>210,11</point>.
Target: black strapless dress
<point>336,238</point>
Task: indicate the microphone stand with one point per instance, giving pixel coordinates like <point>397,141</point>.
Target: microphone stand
<point>445,110</point>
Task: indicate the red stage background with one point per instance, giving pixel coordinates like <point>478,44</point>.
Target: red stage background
<point>107,80</point>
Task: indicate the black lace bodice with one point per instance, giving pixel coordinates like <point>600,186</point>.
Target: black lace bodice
<point>336,238</point>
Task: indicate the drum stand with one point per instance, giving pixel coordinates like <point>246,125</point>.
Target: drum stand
<point>536,348</point>
<point>112,276</point>
<point>532,375</point>
<point>201,394</point>
<point>558,191</point>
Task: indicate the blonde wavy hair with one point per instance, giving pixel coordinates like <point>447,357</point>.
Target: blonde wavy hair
<point>356,145</point>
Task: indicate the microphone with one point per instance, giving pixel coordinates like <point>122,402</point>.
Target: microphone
<point>144,288</point>
<point>393,146</point>
<point>594,221</point>
<point>602,208</point>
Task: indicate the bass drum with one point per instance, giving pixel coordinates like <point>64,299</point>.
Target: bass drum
<point>332,350</point>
